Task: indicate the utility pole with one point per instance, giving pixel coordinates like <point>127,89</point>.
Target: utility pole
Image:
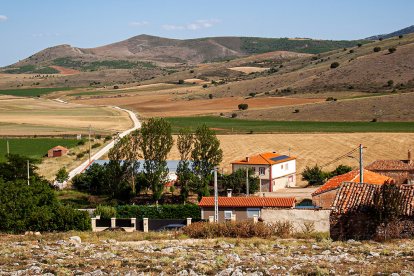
<point>215,196</point>
<point>247,182</point>
<point>89,143</point>
<point>28,173</point>
<point>361,167</point>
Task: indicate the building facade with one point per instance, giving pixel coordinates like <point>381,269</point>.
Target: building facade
<point>275,171</point>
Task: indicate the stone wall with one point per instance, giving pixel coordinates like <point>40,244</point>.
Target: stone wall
<point>299,218</point>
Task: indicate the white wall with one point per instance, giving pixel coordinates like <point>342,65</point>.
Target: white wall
<point>277,170</point>
<point>256,167</point>
<point>299,217</point>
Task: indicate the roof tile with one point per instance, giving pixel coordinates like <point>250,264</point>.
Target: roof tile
<point>285,202</point>
<point>264,159</point>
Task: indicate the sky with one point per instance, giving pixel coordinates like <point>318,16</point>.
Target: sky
<point>28,26</point>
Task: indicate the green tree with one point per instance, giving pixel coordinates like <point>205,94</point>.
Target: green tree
<point>15,167</point>
<point>237,182</point>
<point>185,175</point>
<point>377,49</point>
<point>334,64</point>
<point>206,155</point>
<point>155,145</point>
<point>62,175</point>
<point>314,175</point>
<point>392,50</point>
<point>341,169</point>
<point>243,106</point>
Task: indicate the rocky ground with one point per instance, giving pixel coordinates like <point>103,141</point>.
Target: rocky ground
<point>163,254</point>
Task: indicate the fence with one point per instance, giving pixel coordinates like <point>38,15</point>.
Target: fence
<point>132,224</point>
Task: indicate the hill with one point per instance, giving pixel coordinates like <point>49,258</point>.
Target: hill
<point>145,51</point>
<point>404,31</point>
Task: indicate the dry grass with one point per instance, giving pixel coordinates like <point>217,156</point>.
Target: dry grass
<point>248,69</point>
<point>311,149</point>
<point>30,116</point>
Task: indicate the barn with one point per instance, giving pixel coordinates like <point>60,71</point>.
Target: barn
<point>57,151</point>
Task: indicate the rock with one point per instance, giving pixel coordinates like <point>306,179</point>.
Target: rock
<point>395,274</point>
<point>314,246</point>
<point>233,258</point>
<point>75,240</point>
<point>237,272</point>
<point>374,254</point>
<point>37,234</point>
<point>326,252</point>
<point>168,250</point>
<point>183,273</point>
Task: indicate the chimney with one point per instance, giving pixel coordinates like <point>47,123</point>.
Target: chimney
<point>247,158</point>
<point>229,192</point>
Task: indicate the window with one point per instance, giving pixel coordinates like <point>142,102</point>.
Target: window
<point>281,167</point>
<point>287,166</point>
<point>227,215</point>
<point>262,170</point>
<point>253,212</point>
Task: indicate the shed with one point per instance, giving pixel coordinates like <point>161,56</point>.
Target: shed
<point>57,151</point>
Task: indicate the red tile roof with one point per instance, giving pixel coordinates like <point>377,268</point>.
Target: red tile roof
<point>353,195</point>
<point>335,182</point>
<point>59,148</point>
<point>391,165</point>
<point>263,159</point>
<point>282,202</point>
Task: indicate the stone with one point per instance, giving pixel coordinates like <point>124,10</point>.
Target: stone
<point>37,234</point>
<point>326,252</point>
<point>374,254</point>
<point>75,240</point>
<point>168,250</point>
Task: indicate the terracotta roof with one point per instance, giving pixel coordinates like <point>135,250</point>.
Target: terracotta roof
<point>265,159</point>
<point>391,165</point>
<point>335,182</point>
<point>59,148</point>
<point>285,202</point>
<point>352,195</point>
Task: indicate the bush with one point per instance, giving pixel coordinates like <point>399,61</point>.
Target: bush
<point>167,211</point>
<point>377,49</point>
<point>233,115</point>
<point>351,51</point>
<point>210,96</point>
<point>252,94</point>
<point>243,106</point>
<point>180,81</point>
<point>390,83</point>
<point>116,87</point>
<point>392,50</point>
<point>334,64</point>
<point>314,175</point>
<point>81,142</point>
<point>238,229</point>
<point>106,212</point>
<point>359,44</point>
<point>296,111</point>
<point>400,36</point>
<point>107,138</point>
<point>80,155</point>
<point>330,99</point>
<point>205,85</point>
<point>96,145</point>
<point>35,207</point>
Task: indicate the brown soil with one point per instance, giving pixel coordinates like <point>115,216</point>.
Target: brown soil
<point>64,70</point>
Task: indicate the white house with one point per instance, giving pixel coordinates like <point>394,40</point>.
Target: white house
<point>275,171</point>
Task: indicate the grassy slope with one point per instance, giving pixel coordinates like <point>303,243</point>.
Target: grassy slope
<point>34,148</point>
<point>32,92</point>
<point>225,125</point>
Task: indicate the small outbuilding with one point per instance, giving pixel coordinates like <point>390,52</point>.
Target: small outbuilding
<point>57,151</point>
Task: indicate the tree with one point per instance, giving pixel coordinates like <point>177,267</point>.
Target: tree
<point>127,150</point>
<point>392,50</point>
<point>377,49</point>
<point>341,169</point>
<point>359,45</point>
<point>237,182</point>
<point>185,176</point>
<point>15,168</point>
<point>243,106</point>
<point>314,175</point>
<point>334,64</point>
<point>206,155</point>
<point>155,145</point>
<point>62,175</point>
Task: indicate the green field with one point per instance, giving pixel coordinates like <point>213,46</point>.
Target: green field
<point>35,147</point>
<point>229,126</point>
<point>32,92</point>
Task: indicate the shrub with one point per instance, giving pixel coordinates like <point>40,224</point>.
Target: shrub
<point>107,138</point>
<point>252,94</point>
<point>81,143</point>
<point>180,81</point>
<point>400,36</point>
<point>233,115</point>
<point>210,96</point>
<point>166,211</point>
<point>106,212</point>
<point>314,175</point>
<point>351,51</point>
<point>380,39</point>
<point>96,145</point>
<point>243,106</point>
<point>80,155</point>
<point>377,49</point>
<point>205,85</point>
<point>359,44</point>
<point>329,99</point>
<point>392,50</point>
<point>191,71</point>
<point>296,111</point>
<point>334,64</point>
<point>116,87</point>
<point>390,83</point>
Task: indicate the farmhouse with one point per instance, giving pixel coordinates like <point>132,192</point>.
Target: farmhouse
<point>402,171</point>
<point>325,195</point>
<point>242,208</point>
<point>274,171</point>
<point>57,151</point>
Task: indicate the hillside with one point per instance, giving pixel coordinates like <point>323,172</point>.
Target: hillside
<point>404,31</point>
<point>145,51</point>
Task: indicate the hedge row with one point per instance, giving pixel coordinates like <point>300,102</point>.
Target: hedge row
<point>166,211</point>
